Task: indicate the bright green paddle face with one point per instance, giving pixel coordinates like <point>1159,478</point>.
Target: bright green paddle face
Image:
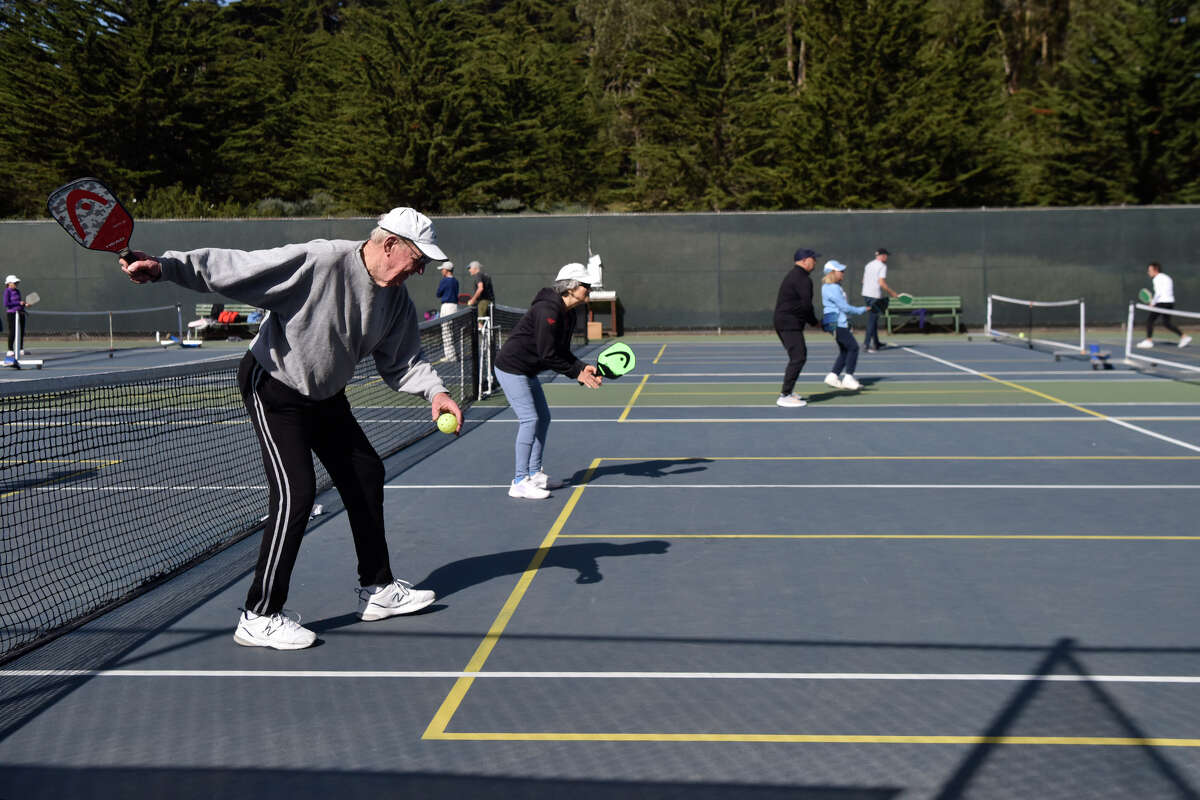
<point>615,360</point>
<point>1144,296</point>
<point>904,299</point>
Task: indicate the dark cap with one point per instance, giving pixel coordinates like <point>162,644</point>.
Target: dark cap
<point>882,252</point>
<point>804,253</point>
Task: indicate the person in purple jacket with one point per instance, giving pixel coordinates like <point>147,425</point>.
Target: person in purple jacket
<point>331,304</point>
<point>14,306</point>
<point>541,340</point>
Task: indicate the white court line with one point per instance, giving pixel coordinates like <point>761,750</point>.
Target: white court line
<point>1113,420</point>
<point>1080,374</point>
<point>818,420</point>
<point>1109,487</point>
<point>726,676</point>
<point>939,486</point>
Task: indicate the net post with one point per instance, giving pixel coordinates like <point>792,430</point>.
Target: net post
<point>1129,333</point>
<point>989,315</point>
<point>179,319</point>
<point>1082,326</point>
<point>110,334</point>
<point>1029,327</point>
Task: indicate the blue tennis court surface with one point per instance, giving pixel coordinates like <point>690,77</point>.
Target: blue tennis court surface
<point>975,577</point>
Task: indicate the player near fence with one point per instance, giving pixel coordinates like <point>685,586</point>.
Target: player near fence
<point>14,308</point>
<point>1163,297</point>
<point>835,309</point>
<point>794,310</point>
<point>447,294</point>
<point>332,304</point>
<point>874,284</point>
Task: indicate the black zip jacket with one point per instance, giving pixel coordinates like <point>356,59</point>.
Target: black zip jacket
<point>541,339</point>
<point>793,305</point>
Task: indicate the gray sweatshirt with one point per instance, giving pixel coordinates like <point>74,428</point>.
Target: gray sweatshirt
<point>326,314</point>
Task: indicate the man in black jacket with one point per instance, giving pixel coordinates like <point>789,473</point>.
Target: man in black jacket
<point>794,309</point>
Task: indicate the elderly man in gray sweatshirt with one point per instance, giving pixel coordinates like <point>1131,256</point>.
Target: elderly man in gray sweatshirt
<point>331,304</point>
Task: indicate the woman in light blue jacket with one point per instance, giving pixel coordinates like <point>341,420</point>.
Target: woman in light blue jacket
<point>833,319</point>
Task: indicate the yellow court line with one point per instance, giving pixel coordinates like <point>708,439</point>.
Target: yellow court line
<point>660,352</point>
<point>633,399</point>
<point>820,738</point>
<point>437,726</point>
<point>1018,536</point>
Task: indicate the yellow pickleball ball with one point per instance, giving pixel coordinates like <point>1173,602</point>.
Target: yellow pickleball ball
<point>447,423</point>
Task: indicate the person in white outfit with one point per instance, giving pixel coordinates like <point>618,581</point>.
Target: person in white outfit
<point>1164,297</point>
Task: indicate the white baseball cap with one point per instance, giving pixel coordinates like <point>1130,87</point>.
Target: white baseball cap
<point>12,279</point>
<point>573,272</point>
<point>448,266</point>
<point>414,226</point>
<point>834,266</point>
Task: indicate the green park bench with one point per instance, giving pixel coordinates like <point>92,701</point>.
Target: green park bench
<point>922,310</point>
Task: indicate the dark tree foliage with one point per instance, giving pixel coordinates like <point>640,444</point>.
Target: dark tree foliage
<point>328,107</point>
<point>1120,125</point>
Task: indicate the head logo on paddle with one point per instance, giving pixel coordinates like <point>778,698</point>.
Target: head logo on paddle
<point>615,360</point>
<point>92,215</point>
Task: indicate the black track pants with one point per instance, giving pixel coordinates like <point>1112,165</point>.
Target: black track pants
<point>291,428</point>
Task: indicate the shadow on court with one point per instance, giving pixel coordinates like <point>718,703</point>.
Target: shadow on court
<point>651,468</point>
<point>294,784</point>
<point>582,558</point>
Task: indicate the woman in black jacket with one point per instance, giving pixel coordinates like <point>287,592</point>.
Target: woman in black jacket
<point>541,340</point>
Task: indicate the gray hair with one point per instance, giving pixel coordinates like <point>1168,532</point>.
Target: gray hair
<point>379,234</point>
<point>474,265</point>
<point>562,287</point>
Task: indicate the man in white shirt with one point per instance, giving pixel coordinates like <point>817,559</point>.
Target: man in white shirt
<point>873,286</point>
<point>1164,297</point>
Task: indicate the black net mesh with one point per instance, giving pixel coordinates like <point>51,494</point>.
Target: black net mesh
<point>110,482</point>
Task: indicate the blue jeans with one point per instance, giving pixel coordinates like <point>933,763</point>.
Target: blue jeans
<point>847,352</point>
<point>528,402</point>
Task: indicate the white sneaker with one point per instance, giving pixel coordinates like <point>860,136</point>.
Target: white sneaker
<point>832,380</point>
<point>1185,341</point>
<point>851,383</point>
<point>390,600</point>
<point>543,481</point>
<point>276,630</point>
<point>526,489</point>
<point>1145,344</point>
<point>791,401</point>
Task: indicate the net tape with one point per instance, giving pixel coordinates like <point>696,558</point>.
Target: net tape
<point>110,482</point>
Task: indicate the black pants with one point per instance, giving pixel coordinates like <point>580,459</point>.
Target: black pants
<point>13,344</point>
<point>290,429</point>
<point>797,350</point>
<point>1150,320</point>
<point>878,305</point>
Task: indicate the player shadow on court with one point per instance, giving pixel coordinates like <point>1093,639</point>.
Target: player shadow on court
<point>833,394</point>
<point>451,578</point>
<point>651,468</point>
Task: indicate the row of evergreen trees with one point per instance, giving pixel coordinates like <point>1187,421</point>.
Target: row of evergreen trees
<point>313,107</point>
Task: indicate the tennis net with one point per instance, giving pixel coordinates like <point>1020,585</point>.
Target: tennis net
<point>1167,350</point>
<point>110,483</point>
<point>1057,325</point>
<point>94,331</point>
